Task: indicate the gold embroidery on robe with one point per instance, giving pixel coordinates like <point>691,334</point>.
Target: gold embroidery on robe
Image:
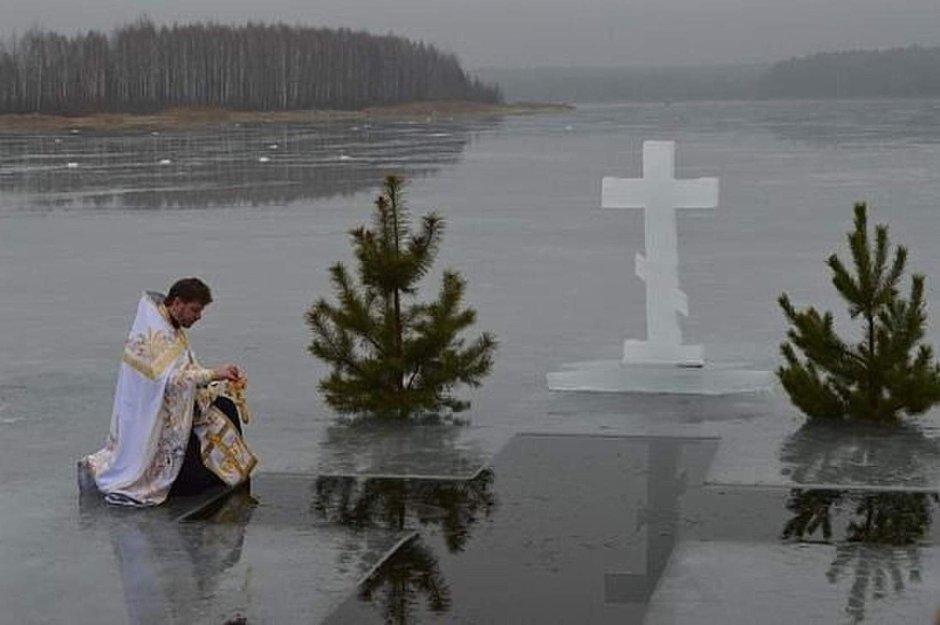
<point>152,352</point>
<point>223,450</point>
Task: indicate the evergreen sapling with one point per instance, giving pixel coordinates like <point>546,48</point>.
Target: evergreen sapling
<point>391,355</point>
<point>889,372</point>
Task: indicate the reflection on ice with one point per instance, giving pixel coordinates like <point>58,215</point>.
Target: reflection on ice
<point>409,576</point>
<point>588,517</point>
<point>454,506</point>
<point>717,583</point>
<point>875,572</point>
<point>890,518</point>
<point>394,449</point>
<point>877,534</point>
<point>171,572</point>
<point>870,455</point>
<point>219,166</point>
<point>262,556</point>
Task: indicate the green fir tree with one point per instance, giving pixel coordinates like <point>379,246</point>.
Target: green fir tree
<point>889,372</point>
<point>391,355</point>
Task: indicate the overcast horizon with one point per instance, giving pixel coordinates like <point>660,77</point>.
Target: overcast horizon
<point>530,33</point>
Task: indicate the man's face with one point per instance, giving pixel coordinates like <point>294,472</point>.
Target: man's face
<point>185,313</point>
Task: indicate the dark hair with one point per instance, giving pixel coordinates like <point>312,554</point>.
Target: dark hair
<point>190,290</point>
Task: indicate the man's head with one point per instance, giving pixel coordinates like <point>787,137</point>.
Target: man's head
<point>186,299</point>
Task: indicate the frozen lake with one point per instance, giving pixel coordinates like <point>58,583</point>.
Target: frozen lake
<point>260,212</point>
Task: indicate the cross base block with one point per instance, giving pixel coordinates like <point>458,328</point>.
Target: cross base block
<point>611,376</point>
<point>644,352</point>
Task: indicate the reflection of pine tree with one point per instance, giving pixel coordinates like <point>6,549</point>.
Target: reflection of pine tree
<point>891,518</point>
<point>454,505</point>
<point>881,521</point>
<point>461,504</point>
<point>823,452</point>
<point>876,572</point>
<point>410,573</point>
<point>811,512</point>
<point>333,499</point>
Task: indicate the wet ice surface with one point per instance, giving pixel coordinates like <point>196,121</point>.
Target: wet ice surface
<point>223,165</point>
<point>549,272</point>
<point>605,529</point>
<point>718,582</point>
<point>578,530</point>
<point>228,561</point>
<point>901,458</point>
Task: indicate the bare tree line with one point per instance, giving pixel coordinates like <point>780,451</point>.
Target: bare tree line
<point>143,68</point>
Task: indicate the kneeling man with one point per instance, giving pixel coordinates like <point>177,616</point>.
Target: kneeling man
<point>174,428</point>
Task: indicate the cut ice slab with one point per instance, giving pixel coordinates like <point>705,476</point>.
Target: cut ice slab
<point>775,451</point>
<point>716,583</point>
<point>613,376</point>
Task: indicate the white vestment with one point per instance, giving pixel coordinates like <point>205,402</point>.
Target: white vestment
<point>158,386</point>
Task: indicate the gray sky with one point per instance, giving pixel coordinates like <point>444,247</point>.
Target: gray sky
<point>549,32</point>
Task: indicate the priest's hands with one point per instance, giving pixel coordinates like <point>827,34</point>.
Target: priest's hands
<point>229,372</point>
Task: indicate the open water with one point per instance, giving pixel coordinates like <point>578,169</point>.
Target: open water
<point>88,220</point>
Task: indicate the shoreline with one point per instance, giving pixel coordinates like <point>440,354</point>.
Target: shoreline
<point>195,117</point>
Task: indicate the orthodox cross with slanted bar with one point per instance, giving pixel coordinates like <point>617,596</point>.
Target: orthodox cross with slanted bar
<point>660,194</point>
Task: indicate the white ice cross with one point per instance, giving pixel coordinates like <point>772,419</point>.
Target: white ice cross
<point>660,194</point>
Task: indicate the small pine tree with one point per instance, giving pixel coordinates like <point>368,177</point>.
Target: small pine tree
<point>889,372</point>
<point>392,356</point>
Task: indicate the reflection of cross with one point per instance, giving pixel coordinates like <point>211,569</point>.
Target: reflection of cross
<point>665,483</point>
<point>660,194</point>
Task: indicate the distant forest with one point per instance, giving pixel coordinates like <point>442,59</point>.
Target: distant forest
<point>145,68</point>
<point>900,72</point>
